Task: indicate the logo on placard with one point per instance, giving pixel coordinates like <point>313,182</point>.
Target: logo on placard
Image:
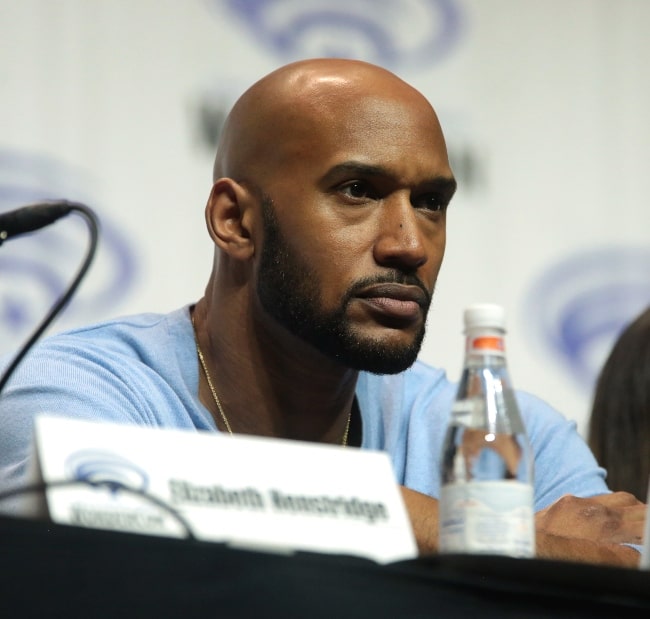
<point>387,33</point>
<point>580,305</point>
<point>36,269</point>
<point>106,468</point>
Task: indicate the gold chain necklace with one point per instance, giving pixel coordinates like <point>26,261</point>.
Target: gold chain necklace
<point>217,401</point>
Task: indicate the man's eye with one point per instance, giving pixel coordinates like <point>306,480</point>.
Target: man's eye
<point>357,189</point>
<point>431,202</point>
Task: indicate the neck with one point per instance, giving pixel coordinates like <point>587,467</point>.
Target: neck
<point>268,383</point>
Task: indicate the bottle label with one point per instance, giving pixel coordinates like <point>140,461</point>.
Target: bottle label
<point>486,344</point>
<point>487,517</point>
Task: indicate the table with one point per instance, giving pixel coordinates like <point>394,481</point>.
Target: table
<point>52,571</point>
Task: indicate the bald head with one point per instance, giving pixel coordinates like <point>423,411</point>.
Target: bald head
<point>332,178</point>
<point>281,116</point>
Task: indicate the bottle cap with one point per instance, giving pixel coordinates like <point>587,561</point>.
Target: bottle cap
<point>486,315</point>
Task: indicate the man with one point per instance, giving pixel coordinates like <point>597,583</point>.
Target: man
<point>328,214</point>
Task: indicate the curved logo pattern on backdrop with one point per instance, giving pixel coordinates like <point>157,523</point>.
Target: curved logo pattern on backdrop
<point>580,305</point>
<point>391,34</point>
<point>35,269</point>
<point>103,467</point>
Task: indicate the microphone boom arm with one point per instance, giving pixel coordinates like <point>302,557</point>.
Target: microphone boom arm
<point>33,217</point>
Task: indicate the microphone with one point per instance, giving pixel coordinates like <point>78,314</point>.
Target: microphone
<point>32,217</point>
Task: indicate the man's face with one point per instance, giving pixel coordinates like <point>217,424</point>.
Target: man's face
<point>288,290</point>
<point>354,236</point>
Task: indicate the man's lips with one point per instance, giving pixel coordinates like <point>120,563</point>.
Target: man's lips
<point>397,300</point>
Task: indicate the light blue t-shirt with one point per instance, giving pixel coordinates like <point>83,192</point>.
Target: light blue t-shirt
<point>143,370</point>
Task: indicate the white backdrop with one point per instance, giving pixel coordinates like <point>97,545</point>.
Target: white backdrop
<point>545,106</point>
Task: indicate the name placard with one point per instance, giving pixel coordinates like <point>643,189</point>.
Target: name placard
<point>266,493</point>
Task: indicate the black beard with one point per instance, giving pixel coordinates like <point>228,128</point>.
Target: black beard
<point>288,291</point>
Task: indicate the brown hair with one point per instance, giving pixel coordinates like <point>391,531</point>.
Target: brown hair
<point>619,427</point>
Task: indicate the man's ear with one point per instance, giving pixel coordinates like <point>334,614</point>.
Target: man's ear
<point>229,215</point>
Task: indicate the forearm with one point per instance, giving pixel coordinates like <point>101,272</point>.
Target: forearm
<point>586,530</point>
<point>423,513</point>
<point>592,530</point>
<point>580,550</point>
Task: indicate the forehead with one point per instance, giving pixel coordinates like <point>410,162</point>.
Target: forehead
<point>401,135</point>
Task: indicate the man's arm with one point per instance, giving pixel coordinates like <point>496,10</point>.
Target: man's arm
<point>592,530</point>
<point>588,530</point>
<point>423,512</point>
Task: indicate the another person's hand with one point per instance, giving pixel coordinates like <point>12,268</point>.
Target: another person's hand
<point>592,530</point>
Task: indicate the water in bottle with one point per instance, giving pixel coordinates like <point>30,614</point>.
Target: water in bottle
<point>486,498</point>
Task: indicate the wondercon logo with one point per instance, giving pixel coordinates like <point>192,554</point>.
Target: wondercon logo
<point>579,306</point>
<point>391,34</point>
<point>106,468</point>
<point>36,269</point>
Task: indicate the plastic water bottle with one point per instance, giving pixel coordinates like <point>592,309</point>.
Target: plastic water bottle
<point>486,496</point>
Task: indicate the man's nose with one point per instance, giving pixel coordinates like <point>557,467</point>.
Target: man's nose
<point>400,239</point>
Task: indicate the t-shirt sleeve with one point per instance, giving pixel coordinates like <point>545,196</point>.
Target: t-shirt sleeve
<point>564,463</point>
<point>58,381</point>
<point>411,412</point>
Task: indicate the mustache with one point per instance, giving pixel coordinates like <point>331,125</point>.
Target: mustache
<point>393,277</point>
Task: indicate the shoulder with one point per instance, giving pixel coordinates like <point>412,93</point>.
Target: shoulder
<point>138,336</point>
<point>541,419</point>
<point>126,332</point>
<point>116,357</point>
